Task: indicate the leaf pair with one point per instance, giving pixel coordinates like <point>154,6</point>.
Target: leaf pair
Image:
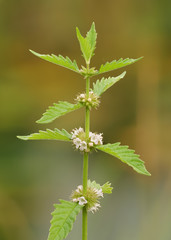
<point>87,45</point>
<point>65,213</point>
<point>67,63</point>
<point>123,153</point>
<point>62,107</point>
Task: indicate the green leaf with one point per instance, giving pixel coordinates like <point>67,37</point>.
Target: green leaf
<point>106,188</point>
<point>125,155</point>
<point>101,86</point>
<point>59,109</point>
<point>88,43</point>
<point>91,38</point>
<point>63,218</point>
<point>48,134</point>
<point>93,184</point>
<point>110,66</point>
<point>59,60</point>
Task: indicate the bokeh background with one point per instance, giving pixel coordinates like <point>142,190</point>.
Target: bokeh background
<point>136,111</point>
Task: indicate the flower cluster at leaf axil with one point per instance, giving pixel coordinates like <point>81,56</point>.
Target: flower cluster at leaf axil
<point>90,199</point>
<point>85,145</point>
<point>91,101</point>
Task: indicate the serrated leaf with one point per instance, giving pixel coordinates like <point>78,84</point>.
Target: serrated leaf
<point>126,155</point>
<point>91,38</point>
<point>102,85</point>
<point>63,218</point>
<point>88,43</point>
<point>106,188</point>
<point>57,110</point>
<point>93,184</point>
<point>110,66</point>
<point>59,60</point>
<point>62,135</point>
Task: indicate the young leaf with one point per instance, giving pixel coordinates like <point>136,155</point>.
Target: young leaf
<point>93,184</point>
<point>59,109</point>
<point>63,218</point>
<point>48,134</point>
<point>106,188</point>
<point>91,38</point>
<point>59,60</point>
<point>110,66</point>
<point>125,155</point>
<point>101,86</point>
<point>88,43</point>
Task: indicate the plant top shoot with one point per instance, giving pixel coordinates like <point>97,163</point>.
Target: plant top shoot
<point>85,197</point>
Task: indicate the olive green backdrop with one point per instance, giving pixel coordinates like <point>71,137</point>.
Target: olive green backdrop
<point>136,112</point>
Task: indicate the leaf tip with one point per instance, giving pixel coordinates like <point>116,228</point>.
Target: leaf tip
<point>139,58</point>
<point>148,174</point>
<point>77,31</point>
<point>39,121</point>
<point>42,120</point>
<point>34,53</point>
<point>93,25</point>
<point>123,74</point>
<point>22,137</point>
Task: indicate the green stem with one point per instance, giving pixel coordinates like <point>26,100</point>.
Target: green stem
<point>85,163</point>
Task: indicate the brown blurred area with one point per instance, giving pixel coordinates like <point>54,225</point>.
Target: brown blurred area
<point>136,112</point>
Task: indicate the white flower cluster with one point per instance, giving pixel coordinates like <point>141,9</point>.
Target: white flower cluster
<point>95,138</point>
<point>79,140</point>
<point>81,200</point>
<point>90,199</point>
<point>91,101</point>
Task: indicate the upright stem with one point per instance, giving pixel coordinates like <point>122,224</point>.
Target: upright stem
<point>85,163</point>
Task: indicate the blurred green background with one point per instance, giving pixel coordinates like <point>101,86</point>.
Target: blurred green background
<point>136,111</point>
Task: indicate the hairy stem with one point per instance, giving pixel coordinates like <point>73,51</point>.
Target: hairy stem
<point>85,163</point>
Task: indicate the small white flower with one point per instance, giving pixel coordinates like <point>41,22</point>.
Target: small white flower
<point>74,133</point>
<point>99,192</point>
<point>99,138</point>
<point>77,142</point>
<point>79,188</point>
<point>82,95</point>
<point>90,144</point>
<point>95,208</point>
<point>90,134</point>
<point>75,200</point>
<point>80,130</point>
<point>83,146</point>
<point>96,138</point>
<point>82,201</point>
